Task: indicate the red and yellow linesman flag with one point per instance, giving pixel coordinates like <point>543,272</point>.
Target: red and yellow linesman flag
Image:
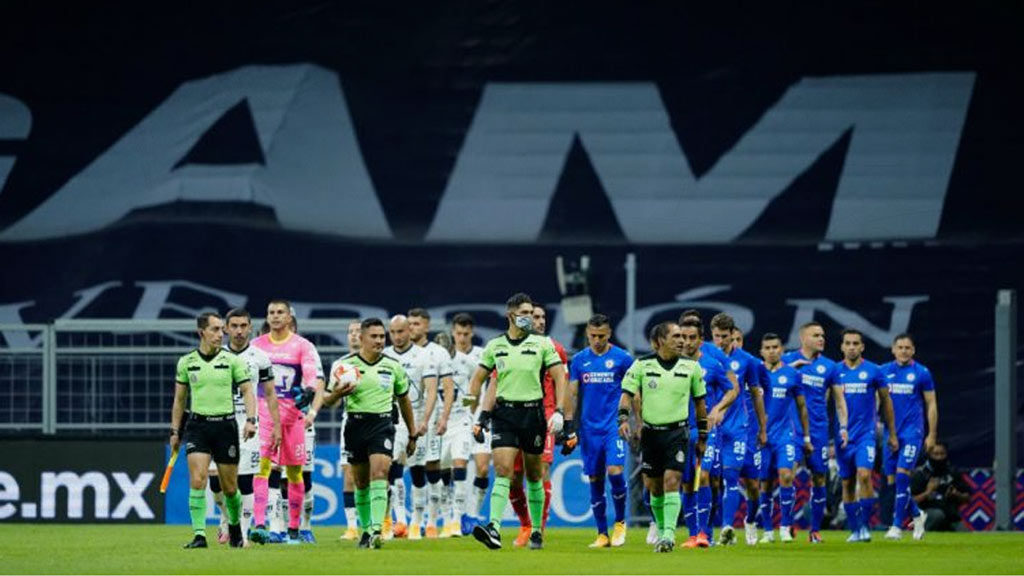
<point>696,476</point>
<point>167,472</point>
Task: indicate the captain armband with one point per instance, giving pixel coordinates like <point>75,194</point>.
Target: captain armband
<point>623,415</point>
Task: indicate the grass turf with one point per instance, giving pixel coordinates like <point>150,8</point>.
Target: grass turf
<point>114,549</point>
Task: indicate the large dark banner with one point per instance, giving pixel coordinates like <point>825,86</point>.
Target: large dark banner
<point>80,481</point>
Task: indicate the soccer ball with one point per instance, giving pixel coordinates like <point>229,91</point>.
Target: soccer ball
<point>343,374</point>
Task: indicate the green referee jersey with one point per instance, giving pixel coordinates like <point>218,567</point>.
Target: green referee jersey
<point>212,381</point>
<point>520,365</point>
<point>378,386</point>
<point>665,387</point>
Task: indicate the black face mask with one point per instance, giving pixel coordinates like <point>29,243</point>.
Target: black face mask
<point>938,466</point>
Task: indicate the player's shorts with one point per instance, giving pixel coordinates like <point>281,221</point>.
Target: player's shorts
<point>752,459</point>
<point>367,434</point>
<point>664,448</point>
<point>905,457</point>
<point>248,450</point>
<point>859,453</point>
<point>519,425</point>
<point>775,456</point>
<point>213,435</point>
<point>293,435</point>
<point>817,461</point>
<point>310,449</point>
<point>711,463</point>
<point>601,449</point>
<point>428,448</point>
<point>342,456</point>
<point>457,443</point>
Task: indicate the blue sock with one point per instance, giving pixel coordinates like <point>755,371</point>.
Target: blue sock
<point>598,505</point>
<point>818,499</point>
<point>786,497</point>
<point>752,510</point>
<point>703,508</point>
<point>731,499</point>
<point>912,509</point>
<point>618,482</point>
<point>716,509</point>
<point>852,515</point>
<point>899,508</point>
<point>690,512</point>
<point>765,509</point>
<point>867,508</point>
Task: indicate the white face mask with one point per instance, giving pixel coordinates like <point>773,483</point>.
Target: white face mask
<point>523,322</point>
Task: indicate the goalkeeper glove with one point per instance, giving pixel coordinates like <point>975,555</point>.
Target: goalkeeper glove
<point>569,438</point>
<point>303,397</point>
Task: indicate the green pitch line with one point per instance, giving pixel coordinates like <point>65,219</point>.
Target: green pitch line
<point>113,549</point>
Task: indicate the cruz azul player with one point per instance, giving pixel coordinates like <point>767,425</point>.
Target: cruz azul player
<point>595,379</point>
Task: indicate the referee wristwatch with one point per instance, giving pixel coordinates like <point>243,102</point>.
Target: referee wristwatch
<point>174,431</point>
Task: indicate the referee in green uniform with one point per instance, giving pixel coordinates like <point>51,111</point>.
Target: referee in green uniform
<point>369,431</point>
<point>665,383</point>
<point>207,378</point>
<point>520,360</point>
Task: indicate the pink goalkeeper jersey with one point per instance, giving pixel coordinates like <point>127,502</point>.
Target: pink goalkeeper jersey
<point>294,360</point>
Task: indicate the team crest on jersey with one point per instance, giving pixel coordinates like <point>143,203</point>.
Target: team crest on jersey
<point>734,365</point>
<point>652,384</point>
<point>500,364</point>
<point>609,363</point>
<point>910,377</point>
<point>783,379</point>
<point>862,375</point>
<point>193,378</point>
<point>820,369</point>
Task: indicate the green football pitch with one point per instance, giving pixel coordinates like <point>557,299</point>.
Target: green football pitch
<point>112,549</point>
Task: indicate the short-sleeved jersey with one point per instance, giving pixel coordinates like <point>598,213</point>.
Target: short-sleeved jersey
<point>421,371</point>
<point>664,387</point>
<point>784,385</point>
<point>519,365</point>
<point>716,384</point>
<point>599,377</point>
<point>463,366</point>
<point>295,363</point>
<point>549,383</point>
<point>379,384</point>
<point>260,370</point>
<point>860,386</point>
<point>817,377</point>
<point>211,381</point>
<point>445,368</point>
<point>907,385</point>
<point>745,366</point>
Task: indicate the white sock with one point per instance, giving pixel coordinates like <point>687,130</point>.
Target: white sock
<point>419,503</point>
<point>398,501</point>
<point>446,513</point>
<point>247,507</point>
<point>350,518</point>
<point>218,499</point>
<point>275,504</point>
<point>307,511</point>
<point>435,490</point>
<point>461,491</point>
<point>481,499</point>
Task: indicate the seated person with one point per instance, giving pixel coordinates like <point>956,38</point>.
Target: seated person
<point>939,489</point>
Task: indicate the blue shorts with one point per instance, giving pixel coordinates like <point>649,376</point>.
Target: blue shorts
<point>859,453</point>
<point>712,461</point>
<point>600,450</point>
<point>817,463</point>
<point>732,449</point>
<point>752,459</point>
<point>776,456</point>
<point>905,457</point>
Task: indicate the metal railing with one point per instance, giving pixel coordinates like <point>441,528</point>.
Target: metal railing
<point>111,376</point>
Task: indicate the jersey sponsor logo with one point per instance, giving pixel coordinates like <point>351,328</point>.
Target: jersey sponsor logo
<point>778,392</point>
<point>901,388</point>
<point>814,381</point>
<point>598,377</point>
<point>856,388</point>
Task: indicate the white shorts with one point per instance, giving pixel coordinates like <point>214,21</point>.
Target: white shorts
<point>342,456</point>
<point>248,450</point>
<point>457,443</point>
<point>310,461</point>
<point>427,449</point>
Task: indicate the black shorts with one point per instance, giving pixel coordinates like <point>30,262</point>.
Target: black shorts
<point>519,425</point>
<point>663,448</point>
<point>216,436</point>
<point>367,434</point>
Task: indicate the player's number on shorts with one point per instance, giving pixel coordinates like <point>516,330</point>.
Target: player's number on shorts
<point>790,451</point>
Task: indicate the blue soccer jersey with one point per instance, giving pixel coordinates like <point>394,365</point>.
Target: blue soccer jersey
<point>600,387</point>
<point>860,386</point>
<point>745,366</point>
<point>817,376</point>
<point>784,385</point>
<point>907,385</point>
